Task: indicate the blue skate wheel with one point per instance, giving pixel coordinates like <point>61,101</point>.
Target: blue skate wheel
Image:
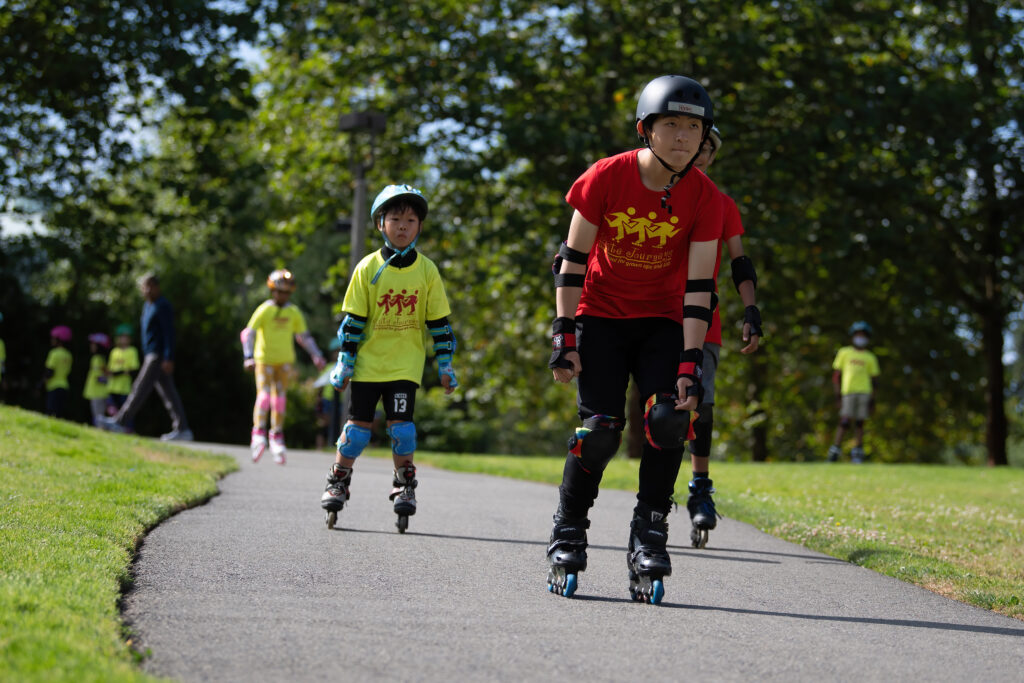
<point>570,585</point>
<point>657,591</point>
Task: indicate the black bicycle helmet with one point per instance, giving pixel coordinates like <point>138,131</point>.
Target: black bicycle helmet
<point>674,95</point>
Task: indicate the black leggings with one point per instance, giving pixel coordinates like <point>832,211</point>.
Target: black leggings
<point>610,351</point>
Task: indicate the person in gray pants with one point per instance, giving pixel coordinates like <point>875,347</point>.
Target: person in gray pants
<point>157,371</point>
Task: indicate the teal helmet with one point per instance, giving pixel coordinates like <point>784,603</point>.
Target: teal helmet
<point>393,192</point>
<point>859,326</point>
<point>125,329</point>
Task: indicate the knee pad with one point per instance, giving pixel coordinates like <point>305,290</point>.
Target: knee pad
<point>279,404</point>
<point>700,445</point>
<point>664,426</point>
<point>263,401</point>
<point>844,422</point>
<point>353,440</point>
<point>403,438</point>
<point>596,442</point>
<point>858,423</point>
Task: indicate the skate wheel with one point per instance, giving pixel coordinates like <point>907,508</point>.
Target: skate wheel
<point>332,518</point>
<point>657,591</point>
<point>570,585</point>
<point>402,523</point>
<point>699,537</point>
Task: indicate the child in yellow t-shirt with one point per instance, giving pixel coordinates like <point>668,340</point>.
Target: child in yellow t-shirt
<point>855,369</point>
<point>96,386</point>
<point>58,367</point>
<point>393,294</point>
<point>123,361</point>
<point>269,351</point>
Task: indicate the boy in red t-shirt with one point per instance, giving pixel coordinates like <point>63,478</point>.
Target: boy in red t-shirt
<point>643,224</point>
<point>700,505</point>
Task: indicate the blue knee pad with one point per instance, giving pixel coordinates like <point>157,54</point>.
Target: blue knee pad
<point>403,438</point>
<point>356,438</point>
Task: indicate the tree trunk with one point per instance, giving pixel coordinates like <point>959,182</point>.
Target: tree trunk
<point>995,409</point>
<point>759,432</point>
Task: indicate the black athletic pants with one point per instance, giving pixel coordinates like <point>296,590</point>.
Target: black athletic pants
<point>610,351</point>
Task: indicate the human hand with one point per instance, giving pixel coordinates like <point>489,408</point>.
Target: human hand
<point>342,372</point>
<point>565,374</point>
<point>319,362</point>
<point>752,331</point>
<point>249,363</point>
<point>446,373</point>
<point>168,367</point>
<point>684,402</point>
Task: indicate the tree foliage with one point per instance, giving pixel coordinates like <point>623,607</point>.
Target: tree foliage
<point>873,149</point>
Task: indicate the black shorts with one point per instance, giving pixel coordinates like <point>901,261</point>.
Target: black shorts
<point>612,349</point>
<point>399,400</point>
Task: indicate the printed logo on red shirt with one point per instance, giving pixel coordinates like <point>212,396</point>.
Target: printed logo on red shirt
<point>644,228</point>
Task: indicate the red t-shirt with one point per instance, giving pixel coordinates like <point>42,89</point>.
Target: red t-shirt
<point>731,227</point>
<point>637,265</point>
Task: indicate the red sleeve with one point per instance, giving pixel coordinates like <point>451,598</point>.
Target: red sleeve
<point>732,223</point>
<point>587,195</point>
<point>708,220</point>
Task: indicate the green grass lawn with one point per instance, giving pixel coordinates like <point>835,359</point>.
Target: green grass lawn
<point>957,531</point>
<point>74,503</point>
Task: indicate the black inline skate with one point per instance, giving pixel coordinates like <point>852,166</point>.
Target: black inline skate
<point>703,515</point>
<point>336,494</point>
<point>647,558</point>
<point>404,495</point>
<point>567,553</point>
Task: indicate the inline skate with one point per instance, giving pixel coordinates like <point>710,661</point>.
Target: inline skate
<point>647,557</point>
<point>336,494</point>
<point>567,553</point>
<point>404,495</point>
<point>701,506</point>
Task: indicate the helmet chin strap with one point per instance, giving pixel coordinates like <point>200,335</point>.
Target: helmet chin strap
<point>676,175</point>
<point>396,253</point>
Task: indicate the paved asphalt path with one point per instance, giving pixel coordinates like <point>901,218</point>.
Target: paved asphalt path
<point>252,586</point>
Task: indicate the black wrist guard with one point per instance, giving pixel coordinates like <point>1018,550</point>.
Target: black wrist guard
<point>752,315</point>
<point>563,340</point>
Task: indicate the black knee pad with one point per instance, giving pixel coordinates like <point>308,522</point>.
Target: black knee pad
<point>844,422</point>
<point>858,424</point>
<point>702,426</point>
<point>596,442</point>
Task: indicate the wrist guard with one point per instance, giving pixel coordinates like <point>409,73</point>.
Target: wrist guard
<point>563,340</point>
<point>752,315</point>
<point>691,366</point>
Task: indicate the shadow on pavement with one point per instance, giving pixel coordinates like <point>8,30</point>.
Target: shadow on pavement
<point>973,628</point>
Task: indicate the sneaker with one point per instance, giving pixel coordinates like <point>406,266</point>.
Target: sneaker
<point>258,444</point>
<point>178,435</point>
<point>110,424</point>
<point>834,452</point>
<point>857,455</point>
<point>277,447</point>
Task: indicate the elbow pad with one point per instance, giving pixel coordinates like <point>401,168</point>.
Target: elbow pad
<point>567,253</point>
<point>444,339</point>
<point>696,311</point>
<point>743,270</point>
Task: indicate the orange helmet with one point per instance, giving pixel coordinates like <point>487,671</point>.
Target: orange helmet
<point>281,280</point>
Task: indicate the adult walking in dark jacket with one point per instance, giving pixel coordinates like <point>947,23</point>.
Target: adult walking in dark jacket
<point>157,371</point>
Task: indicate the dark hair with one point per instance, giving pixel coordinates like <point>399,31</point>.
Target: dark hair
<point>399,205</point>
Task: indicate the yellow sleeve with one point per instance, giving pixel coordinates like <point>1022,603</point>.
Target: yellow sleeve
<point>437,298</point>
<point>840,360</point>
<point>256,321</point>
<point>874,370</point>
<point>357,294</point>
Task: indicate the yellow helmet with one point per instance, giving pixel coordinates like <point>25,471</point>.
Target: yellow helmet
<point>282,280</point>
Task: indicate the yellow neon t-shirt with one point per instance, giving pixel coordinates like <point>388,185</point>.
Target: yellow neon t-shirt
<point>857,366</point>
<point>276,327</point>
<point>124,360</point>
<point>396,309</point>
<point>93,387</point>
<point>58,360</point>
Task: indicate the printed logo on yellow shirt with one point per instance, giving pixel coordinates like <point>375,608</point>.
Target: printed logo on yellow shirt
<point>399,310</point>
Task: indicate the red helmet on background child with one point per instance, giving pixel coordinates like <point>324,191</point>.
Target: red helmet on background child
<point>61,333</point>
